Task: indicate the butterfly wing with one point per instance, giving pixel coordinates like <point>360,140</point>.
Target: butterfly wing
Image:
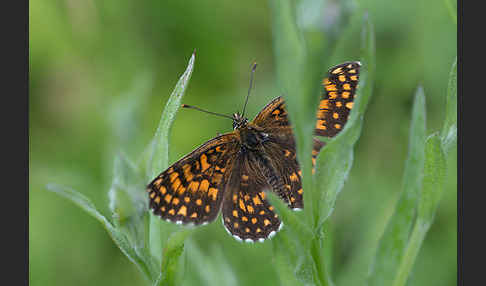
<point>333,112</point>
<point>274,120</point>
<point>280,151</point>
<point>246,213</point>
<point>191,190</point>
<point>273,117</point>
<point>337,100</point>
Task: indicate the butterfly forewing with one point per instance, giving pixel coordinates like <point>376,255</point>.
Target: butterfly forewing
<point>337,99</point>
<point>280,151</point>
<point>273,117</point>
<point>191,190</point>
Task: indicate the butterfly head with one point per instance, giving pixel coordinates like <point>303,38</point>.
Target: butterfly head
<point>239,121</point>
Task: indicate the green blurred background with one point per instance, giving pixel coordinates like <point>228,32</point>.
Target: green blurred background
<point>101,72</point>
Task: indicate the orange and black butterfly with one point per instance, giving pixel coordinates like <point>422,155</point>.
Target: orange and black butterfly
<point>233,171</point>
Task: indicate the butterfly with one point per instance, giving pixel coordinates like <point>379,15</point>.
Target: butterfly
<point>232,172</point>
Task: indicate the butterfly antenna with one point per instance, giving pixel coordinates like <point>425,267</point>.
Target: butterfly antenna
<point>205,111</point>
<point>249,89</point>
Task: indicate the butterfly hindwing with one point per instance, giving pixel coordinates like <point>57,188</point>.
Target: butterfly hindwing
<point>284,170</point>
<point>191,190</point>
<point>316,148</point>
<point>337,100</point>
<point>247,215</point>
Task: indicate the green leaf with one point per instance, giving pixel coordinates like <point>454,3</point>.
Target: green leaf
<point>211,270</point>
<point>145,264</point>
<point>293,221</point>
<point>432,189</point>
<point>295,241</point>
<point>394,240</point>
<point>159,159</point>
<point>326,239</point>
<point>159,150</point>
<point>320,252</point>
<point>299,64</point>
<point>128,201</point>
<point>449,130</point>
<point>170,259</point>
<point>334,163</point>
<point>297,78</point>
<point>299,67</point>
<point>306,271</point>
<point>368,60</point>
<point>283,262</point>
<point>335,160</point>
<point>433,182</point>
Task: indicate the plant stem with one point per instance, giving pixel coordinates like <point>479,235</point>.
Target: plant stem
<point>155,241</point>
<point>413,248</point>
<point>320,263</point>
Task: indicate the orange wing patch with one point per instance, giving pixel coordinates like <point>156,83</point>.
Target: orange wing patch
<point>273,115</point>
<point>337,99</point>
<point>190,191</point>
<point>250,220</point>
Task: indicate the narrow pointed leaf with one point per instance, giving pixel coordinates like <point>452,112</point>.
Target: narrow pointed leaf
<point>283,264</point>
<point>128,201</point>
<point>210,270</point>
<point>144,263</point>
<point>394,240</point>
<point>449,130</point>
<point>432,188</point>
<point>172,251</point>
<point>292,220</point>
<point>433,181</point>
<point>158,159</point>
<point>335,160</point>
